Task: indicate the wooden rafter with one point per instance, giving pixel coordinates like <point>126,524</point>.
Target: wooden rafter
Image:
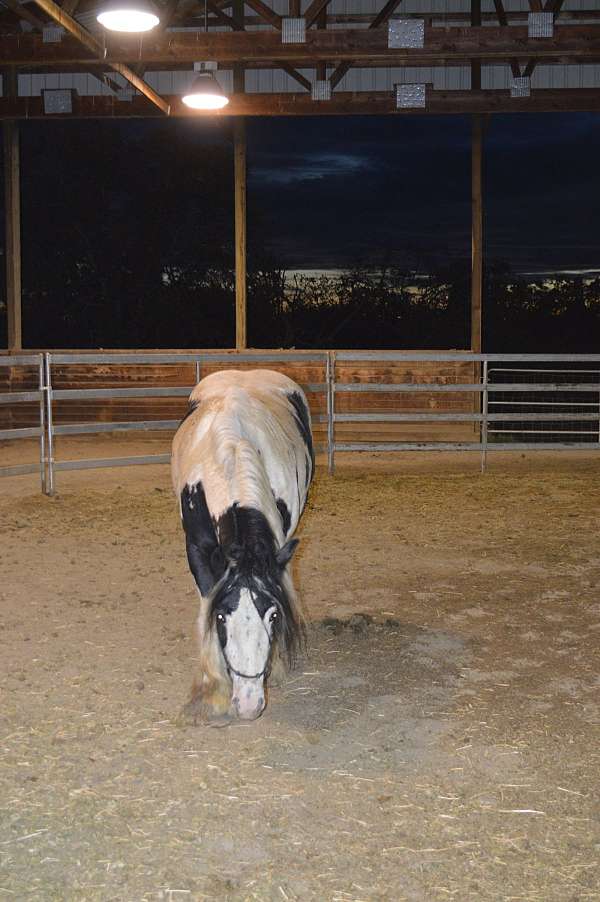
<point>24,13</point>
<point>297,76</point>
<point>343,103</point>
<point>553,6</point>
<point>224,18</point>
<point>265,12</point>
<point>382,16</point>
<point>84,37</point>
<point>443,46</point>
<point>515,66</point>
<point>315,11</point>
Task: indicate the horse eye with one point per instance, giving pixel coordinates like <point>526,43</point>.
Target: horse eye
<point>221,618</point>
<point>273,616</point>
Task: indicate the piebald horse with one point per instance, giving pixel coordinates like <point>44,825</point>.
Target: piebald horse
<point>242,464</point>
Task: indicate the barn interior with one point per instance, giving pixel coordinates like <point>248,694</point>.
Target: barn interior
<point>438,737</point>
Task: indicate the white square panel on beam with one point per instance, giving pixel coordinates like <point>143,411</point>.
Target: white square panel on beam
<point>540,25</point>
<point>57,101</point>
<point>406,34</point>
<point>293,30</point>
<point>52,34</point>
<point>410,97</point>
<point>520,87</point>
<point>321,89</point>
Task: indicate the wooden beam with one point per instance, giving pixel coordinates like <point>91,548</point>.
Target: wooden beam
<point>84,37</point>
<point>515,67</point>
<point>476,233</point>
<point>343,103</point>
<point>239,157</point>
<point>24,13</point>
<point>265,12</point>
<point>12,201</point>
<point>443,46</point>
<point>222,18</point>
<point>315,11</point>
<point>553,6</point>
<point>297,76</point>
<point>476,64</point>
<point>382,16</point>
<point>385,13</point>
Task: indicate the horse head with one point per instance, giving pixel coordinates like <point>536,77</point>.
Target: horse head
<point>254,619</point>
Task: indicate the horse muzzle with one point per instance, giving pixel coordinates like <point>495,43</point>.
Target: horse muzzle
<point>248,697</point>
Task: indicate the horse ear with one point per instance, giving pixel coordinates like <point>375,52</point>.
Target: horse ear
<point>285,553</point>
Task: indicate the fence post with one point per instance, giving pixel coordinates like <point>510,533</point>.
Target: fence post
<point>484,422</point>
<point>198,370</point>
<point>41,386</point>
<point>330,378</point>
<point>49,490</point>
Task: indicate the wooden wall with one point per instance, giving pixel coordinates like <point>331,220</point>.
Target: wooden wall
<point>183,375</point>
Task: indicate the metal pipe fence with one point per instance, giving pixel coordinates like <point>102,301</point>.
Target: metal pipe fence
<point>199,360</point>
<point>483,411</point>
<point>39,431</point>
<point>543,397</point>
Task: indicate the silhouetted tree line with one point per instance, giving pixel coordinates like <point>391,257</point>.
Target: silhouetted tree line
<point>118,254</point>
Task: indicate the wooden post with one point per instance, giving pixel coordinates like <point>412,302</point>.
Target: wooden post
<point>12,200</point>
<point>476,235</point>
<point>239,155</point>
<point>239,170</point>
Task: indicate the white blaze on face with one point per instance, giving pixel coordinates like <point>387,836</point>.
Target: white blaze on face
<point>247,650</point>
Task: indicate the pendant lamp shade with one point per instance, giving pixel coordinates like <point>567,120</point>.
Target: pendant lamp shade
<point>205,93</point>
<point>128,15</point>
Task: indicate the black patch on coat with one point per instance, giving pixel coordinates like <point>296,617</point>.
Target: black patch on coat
<point>302,418</point>
<point>286,520</point>
<point>204,554</point>
<point>191,408</point>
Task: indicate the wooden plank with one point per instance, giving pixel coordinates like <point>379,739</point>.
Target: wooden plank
<point>315,12</point>
<point>382,16</point>
<point>476,64</point>
<point>84,37</point>
<point>378,103</point>
<point>224,19</point>
<point>444,46</point>
<point>12,201</point>
<point>265,12</point>
<point>553,6</point>
<point>297,76</point>
<point>239,154</point>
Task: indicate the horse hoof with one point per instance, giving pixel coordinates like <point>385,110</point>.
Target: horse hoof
<point>197,712</point>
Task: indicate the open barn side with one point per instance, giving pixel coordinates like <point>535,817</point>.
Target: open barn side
<point>438,739</point>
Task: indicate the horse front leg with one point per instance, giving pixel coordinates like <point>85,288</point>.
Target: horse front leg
<point>210,697</point>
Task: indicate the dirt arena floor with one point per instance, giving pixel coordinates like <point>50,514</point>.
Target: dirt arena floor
<point>439,740</point>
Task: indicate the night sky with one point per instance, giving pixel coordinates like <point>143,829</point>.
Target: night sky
<point>335,192</point>
<point>347,190</point>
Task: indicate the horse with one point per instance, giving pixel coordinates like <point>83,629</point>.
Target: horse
<point>242,463</point>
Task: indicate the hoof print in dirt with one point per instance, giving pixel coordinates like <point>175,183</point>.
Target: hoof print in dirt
<point>358,624</point>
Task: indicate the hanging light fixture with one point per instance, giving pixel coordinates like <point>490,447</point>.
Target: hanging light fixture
<point>206,92</point>
<point>128,15</point>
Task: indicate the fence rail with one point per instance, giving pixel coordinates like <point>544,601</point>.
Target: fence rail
<point>493,407</point>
